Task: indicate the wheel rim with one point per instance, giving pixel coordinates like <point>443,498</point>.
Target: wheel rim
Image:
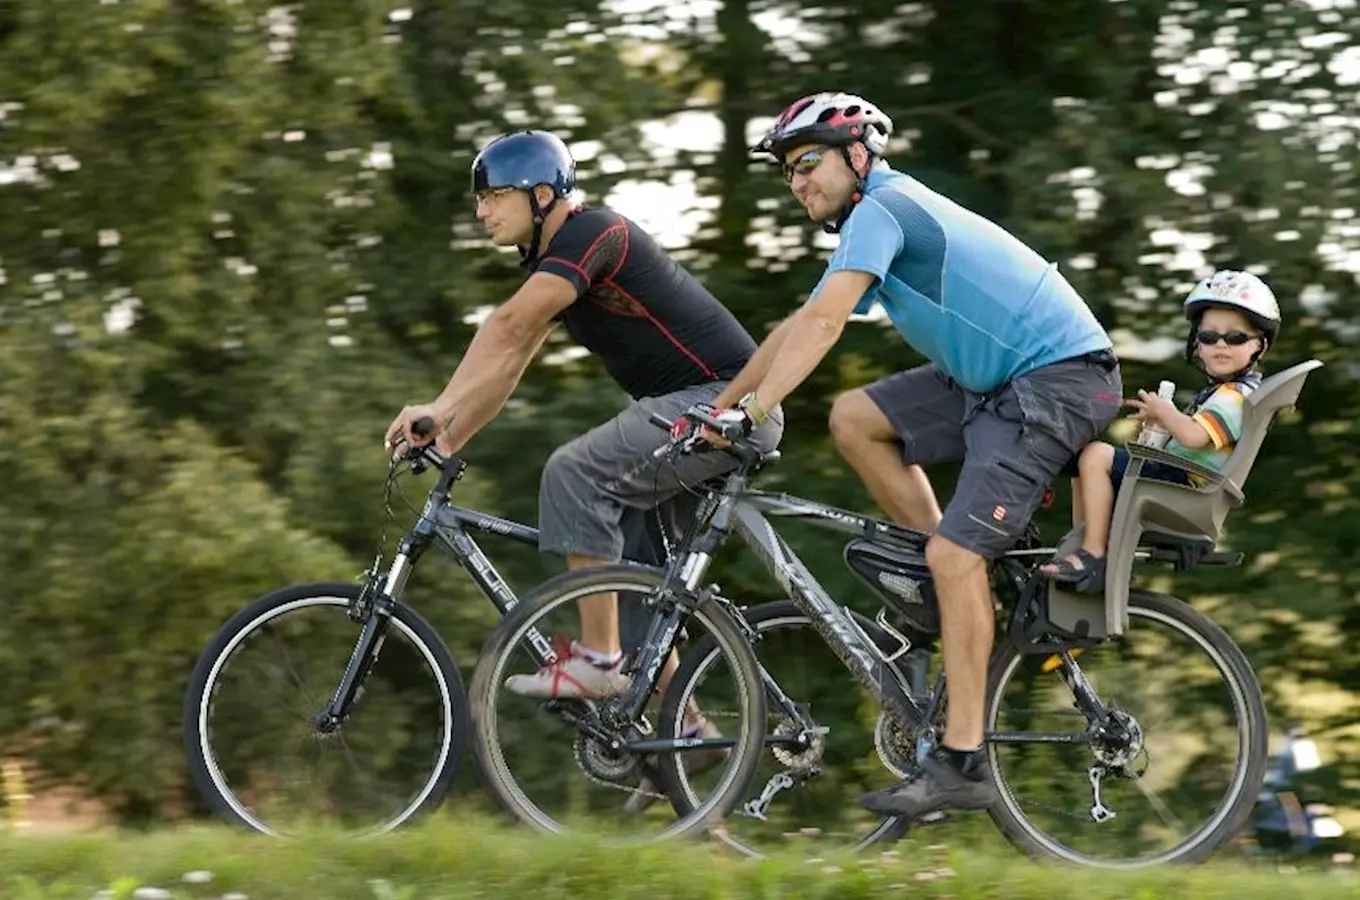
<point>490,744</point>
<point>214,770</point>
<point>1225,807</point>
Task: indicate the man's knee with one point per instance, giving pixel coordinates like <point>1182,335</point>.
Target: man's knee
<point>949,561</point>
<point>856,421</point>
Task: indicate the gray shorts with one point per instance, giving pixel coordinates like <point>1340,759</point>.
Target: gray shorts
<point>593,487</point>
<point>1012,443</point>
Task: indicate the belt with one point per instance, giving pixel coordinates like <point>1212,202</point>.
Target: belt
<point>1105,359</point>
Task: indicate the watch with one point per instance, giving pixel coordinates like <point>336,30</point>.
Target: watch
<point>752,408</point>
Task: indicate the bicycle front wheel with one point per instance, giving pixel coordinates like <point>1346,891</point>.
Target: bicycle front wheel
<point>562,765</point>
<point>1170,777</point>
<point>250,733</point>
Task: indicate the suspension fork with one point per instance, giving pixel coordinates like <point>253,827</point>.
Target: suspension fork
<point>361,662</point>
<point>669,603</point>
<point>679,582</point>
<point>376,606</point>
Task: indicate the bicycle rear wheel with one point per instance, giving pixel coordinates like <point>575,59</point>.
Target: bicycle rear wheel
<point>250,734</point>
<point>565,765</point>
<point>1179,776</point>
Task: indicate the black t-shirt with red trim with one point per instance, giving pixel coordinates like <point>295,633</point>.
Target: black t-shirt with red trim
<point>654,327</point>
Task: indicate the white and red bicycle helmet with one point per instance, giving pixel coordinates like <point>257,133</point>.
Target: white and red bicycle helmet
<point>833,119</point>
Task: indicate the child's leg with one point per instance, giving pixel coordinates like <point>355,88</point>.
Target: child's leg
<point>1091,493</point>
<point>1096,462</point>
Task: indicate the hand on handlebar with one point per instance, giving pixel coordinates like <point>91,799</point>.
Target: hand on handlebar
<point>704,424</point>
<point>414,426</point>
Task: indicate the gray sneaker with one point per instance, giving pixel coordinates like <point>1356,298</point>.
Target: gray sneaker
<point>936,785</point>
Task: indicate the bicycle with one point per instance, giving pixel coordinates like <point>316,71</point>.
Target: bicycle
<point>1112,743</point>
<point>234,757</point>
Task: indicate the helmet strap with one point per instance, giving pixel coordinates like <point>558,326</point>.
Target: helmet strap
<point>861,188</point>
<point>529,255</point>
<point>1193,358</point>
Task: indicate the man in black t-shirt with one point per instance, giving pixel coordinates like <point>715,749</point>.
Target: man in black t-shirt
<point>659,333</point>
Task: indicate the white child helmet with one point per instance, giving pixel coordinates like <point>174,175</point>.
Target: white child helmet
<point>1240,291</point>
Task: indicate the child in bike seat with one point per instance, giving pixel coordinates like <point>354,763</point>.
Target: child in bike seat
<point>1234,318</point>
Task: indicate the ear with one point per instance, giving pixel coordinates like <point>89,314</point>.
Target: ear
<point>859,156</point>
<point>544,194</point>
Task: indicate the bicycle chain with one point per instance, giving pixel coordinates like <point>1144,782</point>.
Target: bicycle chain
<point>577,750</point>
<point>712,714</point>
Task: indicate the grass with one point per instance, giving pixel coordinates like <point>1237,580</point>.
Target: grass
<point>467,858</point>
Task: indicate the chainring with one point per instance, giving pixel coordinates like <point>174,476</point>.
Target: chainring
<point>602,762</point>
<point>896,746</point>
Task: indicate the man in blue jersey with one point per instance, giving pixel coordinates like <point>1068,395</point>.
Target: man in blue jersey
<point>1021,377</point>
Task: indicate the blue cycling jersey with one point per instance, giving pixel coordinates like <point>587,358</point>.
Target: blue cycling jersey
<point>971,297</point>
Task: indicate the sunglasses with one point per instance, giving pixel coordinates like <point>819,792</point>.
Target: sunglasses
<point>1234,338</point>
<point>804,164</point>
<point>492,194</point>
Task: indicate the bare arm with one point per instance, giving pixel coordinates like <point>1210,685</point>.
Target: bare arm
<point>1186,430</point>
<point>497,357</point>
<point>1182,427</point>
<point>756,367</point>
<point>812,331</point>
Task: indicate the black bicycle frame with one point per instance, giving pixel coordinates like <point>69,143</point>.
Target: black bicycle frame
<point>450,528</point>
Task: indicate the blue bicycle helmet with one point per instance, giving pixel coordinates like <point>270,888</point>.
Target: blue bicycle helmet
<point>524,160</point>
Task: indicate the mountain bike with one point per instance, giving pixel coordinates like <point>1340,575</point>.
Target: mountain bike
<point>1135,734</point>
<point>335,703</point>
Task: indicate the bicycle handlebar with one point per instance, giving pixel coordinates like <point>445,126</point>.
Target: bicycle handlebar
<point>426,454</point>
<point>729,431</point>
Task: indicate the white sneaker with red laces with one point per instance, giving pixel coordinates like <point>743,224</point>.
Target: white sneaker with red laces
<point>572,676</point>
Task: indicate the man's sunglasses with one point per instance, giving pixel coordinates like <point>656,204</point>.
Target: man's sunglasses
<point>1234,338</point>
<point>490,194</point>
<point>804,164</point>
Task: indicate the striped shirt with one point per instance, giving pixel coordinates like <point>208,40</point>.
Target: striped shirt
<point>1219,410</point>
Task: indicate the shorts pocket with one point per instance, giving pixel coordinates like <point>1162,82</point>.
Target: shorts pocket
<point>999,505</point>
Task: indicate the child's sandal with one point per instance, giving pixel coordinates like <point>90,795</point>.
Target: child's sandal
<point>1089,578</point>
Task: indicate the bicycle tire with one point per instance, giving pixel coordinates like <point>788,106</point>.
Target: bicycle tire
<point>488,674</point>
<point>763,617</point>
<point>206,774</point>
<point>1229,817</point>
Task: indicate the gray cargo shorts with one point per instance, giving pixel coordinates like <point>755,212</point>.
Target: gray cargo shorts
<point>1012,442</point>
<point>593,486</point>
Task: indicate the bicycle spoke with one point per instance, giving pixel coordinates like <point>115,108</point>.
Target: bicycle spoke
<point>1185,736</point>
<point>264,761</point>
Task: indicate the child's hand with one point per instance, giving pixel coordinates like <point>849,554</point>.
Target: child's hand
<point>1152,408</point>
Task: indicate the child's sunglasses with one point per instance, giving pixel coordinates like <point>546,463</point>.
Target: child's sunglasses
<point>1234,338</point>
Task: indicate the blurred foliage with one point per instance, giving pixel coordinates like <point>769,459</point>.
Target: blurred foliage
<point>235,238</point>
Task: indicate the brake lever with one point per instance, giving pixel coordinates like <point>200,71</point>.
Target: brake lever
<point>689,443</point>
<point>422,457</point>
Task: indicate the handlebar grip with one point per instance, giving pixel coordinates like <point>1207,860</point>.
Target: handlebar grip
<point>660,421</point>
<point>422,426</point>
